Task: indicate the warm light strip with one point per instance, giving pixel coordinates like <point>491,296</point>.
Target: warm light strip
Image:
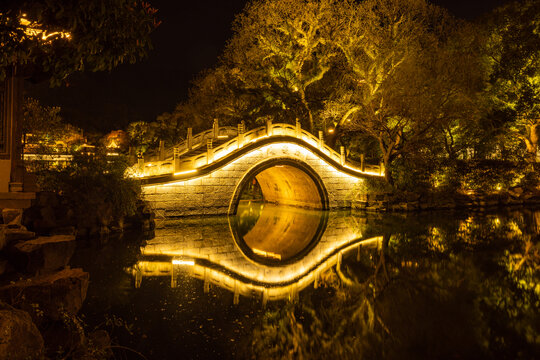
<point>276,290</point>
<point>185,172</point>
<point>184,262</point>
<point>46,157</point>
<point>308,138</point>
<point>292,146</point>
<point>374,173</point>
<point>267,254</point>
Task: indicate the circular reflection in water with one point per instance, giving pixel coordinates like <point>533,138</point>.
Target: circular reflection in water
<point>276,234</point>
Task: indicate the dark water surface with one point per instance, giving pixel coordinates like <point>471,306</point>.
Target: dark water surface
<point>278,282</point>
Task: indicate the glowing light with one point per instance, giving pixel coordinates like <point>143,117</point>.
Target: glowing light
<point>183,262</point>
<point>374,173</point>
<point>185,172</point>
<point>273,279</point>
<point>32,29</point>
<point>266,254</point>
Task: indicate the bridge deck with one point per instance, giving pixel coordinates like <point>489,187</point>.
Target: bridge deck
<point>193,156</point>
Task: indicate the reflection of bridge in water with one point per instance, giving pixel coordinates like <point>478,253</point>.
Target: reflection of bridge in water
<point>276,251</point>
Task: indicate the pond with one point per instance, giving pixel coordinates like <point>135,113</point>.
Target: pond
<point>280,282</point>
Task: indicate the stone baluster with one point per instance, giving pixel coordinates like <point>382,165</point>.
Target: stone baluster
<point>269,127</point>
<point>174,280</point>
<point>381,168</point>
<point>161,150</point>
<point>321,139</point>
<point>138,278</point>
<point>216,128</point>
<point>362,163</point>
<point>206,283</point>
<point>176,157</point>
<point>241,134</point>
<point>342,154</point>
<point>189,138</point>
<point>298,129</point>
<point>209,151</point>
<point>140,162</point>
<point>236,297</point>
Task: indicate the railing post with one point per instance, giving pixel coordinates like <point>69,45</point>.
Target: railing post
<point>140,162</point>
<point>216,128</point>
<point>209,151</point>
<point>321,139</point>
<point>176,161</point>
<point>241,134</point>
<point>189,138</point>
<point>269,127</point>
<point>362,164</point>
<point>342,153</point>
<point>138,278</point>
<point>161,150</point>
<point>174,280</point>
<point>298,129</point>
<point>381,168</point>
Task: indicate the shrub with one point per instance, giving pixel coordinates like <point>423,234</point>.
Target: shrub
<point>94,188</point>
<point>489,175</point>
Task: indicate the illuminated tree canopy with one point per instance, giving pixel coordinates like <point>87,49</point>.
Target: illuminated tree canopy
<point>50,39</point>
<point>514,55</point>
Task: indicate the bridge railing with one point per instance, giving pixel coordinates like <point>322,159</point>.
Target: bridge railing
<point>193,143</point>
<point>175,163</point>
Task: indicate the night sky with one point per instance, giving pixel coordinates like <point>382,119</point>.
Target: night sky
<point>190,39</point>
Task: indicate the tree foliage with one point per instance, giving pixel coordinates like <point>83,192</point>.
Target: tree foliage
<point>514,54</point>
<point>55,38</point>
<point>409,74</point>
<point>281,50</point>
<point>45,126</point>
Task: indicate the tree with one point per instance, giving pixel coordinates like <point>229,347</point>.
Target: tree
<point>46,127</point>
<point>280,51</point>
<point>39,120</point>
<point>142,135</point>
<point>514,52</point>
<point>406,75</point>
<point>52,39</point>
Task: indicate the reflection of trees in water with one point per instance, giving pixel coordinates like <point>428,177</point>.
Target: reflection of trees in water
<point>446,288</point>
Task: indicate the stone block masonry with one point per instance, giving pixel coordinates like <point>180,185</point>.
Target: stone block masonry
<point>291,171</point>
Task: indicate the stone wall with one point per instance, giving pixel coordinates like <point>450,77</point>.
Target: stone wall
<point>516,196</point>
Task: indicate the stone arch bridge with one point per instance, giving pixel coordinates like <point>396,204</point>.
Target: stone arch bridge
<point>206,173</point>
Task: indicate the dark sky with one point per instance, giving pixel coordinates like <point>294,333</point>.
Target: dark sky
<point>190,39</point>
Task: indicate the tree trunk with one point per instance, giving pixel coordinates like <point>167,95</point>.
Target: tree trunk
<point>531,141</point>
<point>387,159</point>
<point>387,173</point>
<point>306,106</point>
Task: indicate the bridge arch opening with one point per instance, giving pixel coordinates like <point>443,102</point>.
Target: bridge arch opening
<point>284,181</point>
